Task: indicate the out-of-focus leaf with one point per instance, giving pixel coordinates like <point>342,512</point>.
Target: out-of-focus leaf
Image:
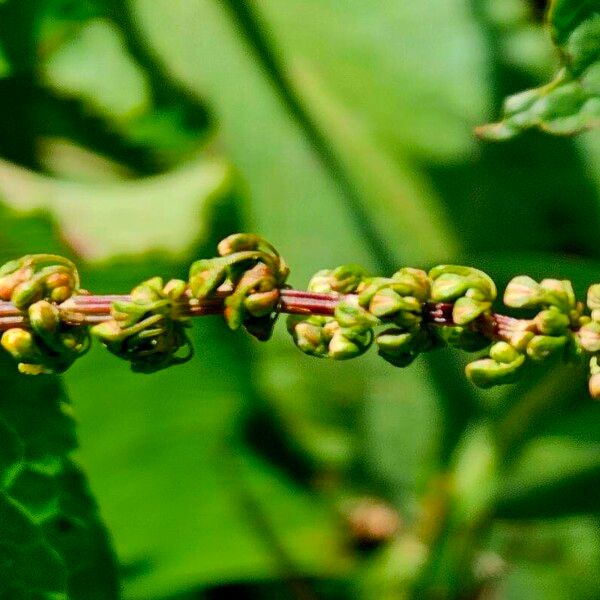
<point>115,86</point>
<point>554,477</point>
<point>4,64</point>
<point>410,73</point>
<point>570,103</point>
<point>542,560</point>
<point>162,212</point>
<point>52,542</point>
<point>188,504</point>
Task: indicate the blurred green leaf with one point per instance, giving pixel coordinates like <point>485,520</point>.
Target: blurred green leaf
<point>4,64</point>
<point>116,86</point>
<point>570,103</point>
<point>545,560</point>
<point>101,220</point>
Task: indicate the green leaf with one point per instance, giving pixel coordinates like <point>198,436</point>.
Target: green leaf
<point>570,103</point>
<point>116,86</point>
<point>4,64</point>
<point>52,541</point>
<point>123,217</point>
<point>554,477</point>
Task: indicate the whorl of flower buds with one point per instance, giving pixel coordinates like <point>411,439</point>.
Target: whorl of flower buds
<point>345,312</point>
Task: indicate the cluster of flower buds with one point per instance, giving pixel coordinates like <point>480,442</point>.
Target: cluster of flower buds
<point>400,304</point>
<point>349,333</point>
<point>404,315</point>
<point>149,330</point>
<point>252,274</point>
<point>549,334</point>
<point>35,284</point>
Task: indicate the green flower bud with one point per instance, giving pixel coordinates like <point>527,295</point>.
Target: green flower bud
<point>11,275</point>
<point>542,347</point>
<point>386,302</point>
<point>348,315</point>
<point>175,289</point>
<point>60,286</point>
<point>238,242</point>
<point>109,332</point>
<point>20,344</point>
<point>589,336</point>
<point>261,304</point>
<point>558,293</point>
<point>466,310</point>
<point>412,282</point>
<point>593,297</point>
<point>344,279</point>
<point>447,287</point>
<point>394,342</point>
<point>342,348</point>
<point>452,281</point>
<point>523,292</point>
<point>504,353</point>
<point>488,372</point>
<point>308,334</point>
<point>594,386</point>
<point>44,318</point>
<point>27,293</point>
<point>520,340</point>
<point>206,275</point>
<point>552,321</point>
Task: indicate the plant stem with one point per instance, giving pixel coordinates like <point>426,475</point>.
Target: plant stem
<point>87,309</point>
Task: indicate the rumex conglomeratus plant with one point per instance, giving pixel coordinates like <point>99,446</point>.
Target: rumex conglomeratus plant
<point>48,320</point>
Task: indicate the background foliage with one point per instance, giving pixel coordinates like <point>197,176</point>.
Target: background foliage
<point>133,136</point>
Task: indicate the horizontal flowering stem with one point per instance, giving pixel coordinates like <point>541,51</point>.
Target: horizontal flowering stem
<point>90,310</point>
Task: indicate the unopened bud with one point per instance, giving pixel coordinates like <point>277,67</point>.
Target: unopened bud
<point>386,302</point>
<point>522,292</point>
<point>467,309</point>
<point>593,297</point>
<point>238,242</point>
<point>594,386</point>
<point>341,348</point>
<point>552,321</point>
<point>60,286</point>
<point>412,282</point>
<point>589,336</point>
<point>348,315</point>
<point>447,287</point>
<point>174,289</point>
<point>520,340</point>
<point>394,342</point>
<point>542,347</point>
<point>558,293</point>
<point>20,344</point>
<point>206,275</point>
<point>27,293</point>
<point>44,317</point>
<point>503,353</point>
<point>307,335</point>
<point>260,304</point>
<point>12,279</point>
<point>487,372</point>
<point>344,279</point>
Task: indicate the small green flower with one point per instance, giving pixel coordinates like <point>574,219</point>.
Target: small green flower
<point>502,367</point>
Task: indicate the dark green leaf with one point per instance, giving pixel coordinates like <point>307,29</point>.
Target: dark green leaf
<point>570,103</point>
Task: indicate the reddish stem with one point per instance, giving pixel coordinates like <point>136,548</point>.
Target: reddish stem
<point>87,309</point>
